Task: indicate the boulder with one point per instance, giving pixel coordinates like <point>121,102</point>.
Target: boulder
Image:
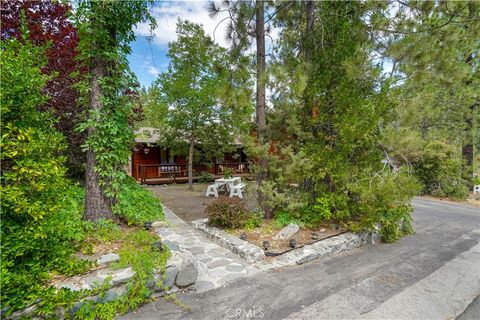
<point>108,258</point>
<point>287,232</point>
<point>117,276</point>
<point>187,270</point>
<point>171,273</point>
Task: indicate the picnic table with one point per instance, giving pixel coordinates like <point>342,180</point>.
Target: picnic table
<point>233,185</point>
<point>229,182</point>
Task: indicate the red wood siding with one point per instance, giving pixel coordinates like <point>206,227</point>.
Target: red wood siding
<point>139,157</point>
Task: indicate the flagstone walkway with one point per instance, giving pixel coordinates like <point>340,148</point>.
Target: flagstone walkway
<point>216,264</point>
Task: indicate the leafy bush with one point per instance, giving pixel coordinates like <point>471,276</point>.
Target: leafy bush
<point>227,173</point>
<point>41,209</point>
<point>284,218</point>
<point>383,200</point>
<point>255,220</point>
<point>318,212</point>
<point>226,212</point>
<point>136,205</point>
<point>310,216</point>
<point>439,168</point>
<point>204,177</point>
<point>450,187</point>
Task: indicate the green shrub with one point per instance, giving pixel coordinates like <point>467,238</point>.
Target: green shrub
<point>204,177</point>
<point>136,205</point>
<point>383,200</point>
<point>226,212</point>
<point>255,220</point>
<point>284,218</point>
<point>227,173</point>
<point>450,187</point>
<point>320,211</point>
<point>395,223</point>
<point>438,166</point>
<point>41,210</point>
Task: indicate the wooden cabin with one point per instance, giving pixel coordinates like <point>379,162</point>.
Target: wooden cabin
<point>151,163</point>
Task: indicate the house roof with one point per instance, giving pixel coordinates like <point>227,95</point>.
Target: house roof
<point>147,135</point>
<point>152,135</point>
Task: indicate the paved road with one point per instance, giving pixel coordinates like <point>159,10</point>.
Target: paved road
<point>433,274</point>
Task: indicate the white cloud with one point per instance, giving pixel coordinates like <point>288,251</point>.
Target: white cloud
<point>153,71</point>
<point>167,13</point>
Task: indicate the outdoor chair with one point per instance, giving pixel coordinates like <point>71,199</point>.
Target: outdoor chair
<point>237,190</point>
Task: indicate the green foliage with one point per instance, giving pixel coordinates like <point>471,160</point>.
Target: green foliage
<point>331,103</point>
<point>227,173</point>
<point>439,168</point>
<point>204,177</point>
<point>202,97</point>
<point>255,220</point>
<point>136,205</point>
<point>284,218</point>
<point>438,98</point>
<point>320,210</point>
<point>41,212</point>
<point>138,252</point>
<point>105,29</point>
<point>309,216</point>
<point>226,212</point>
<point>435,163</point>
<point>382,200</point>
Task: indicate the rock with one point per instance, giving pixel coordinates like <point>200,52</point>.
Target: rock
<point>157,224</point>
<point>74,286</point>
<point>235,268</point>
<point>287,232</point>
<point>334,226</point>
<point>118,276</point>
<point>202,286</point>
<point>110,295</point>
<point>187,270</point>
<point>171,273</point>
<point>218,263</point>
<point>108,258</point>
<point>171,246</point>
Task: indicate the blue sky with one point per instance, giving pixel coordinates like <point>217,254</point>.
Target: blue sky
<point>148,60</point>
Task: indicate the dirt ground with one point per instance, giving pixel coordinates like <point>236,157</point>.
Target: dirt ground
<point>268,230</point>
<point>190,205</point>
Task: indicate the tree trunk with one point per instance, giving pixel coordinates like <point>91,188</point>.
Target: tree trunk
<point>309,19</point>
<point>260,99</point>
<point>190,165</point>
<point>468,146</point>
<point>97,204</point>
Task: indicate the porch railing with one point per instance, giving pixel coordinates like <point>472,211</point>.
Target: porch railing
<point>174,171</point>
<point>235,167</point>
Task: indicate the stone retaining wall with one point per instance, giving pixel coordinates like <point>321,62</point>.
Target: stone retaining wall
<point>244,249</point>
<point>181,272</point>
<point>254,254</point>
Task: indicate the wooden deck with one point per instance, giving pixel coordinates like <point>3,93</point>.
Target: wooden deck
<point>157,181</point>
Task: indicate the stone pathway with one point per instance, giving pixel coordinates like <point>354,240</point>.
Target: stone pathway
<point>216,264</point>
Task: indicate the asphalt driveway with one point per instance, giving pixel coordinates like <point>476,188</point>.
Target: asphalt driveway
<point>433,274</point>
